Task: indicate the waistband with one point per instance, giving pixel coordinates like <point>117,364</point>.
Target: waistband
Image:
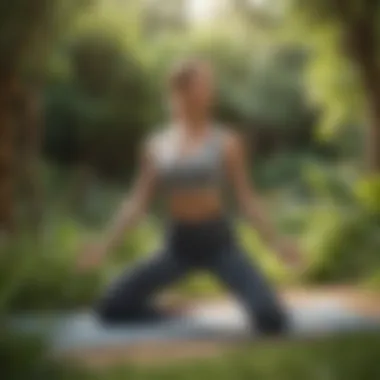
<point>214,222</point>
<point>199,241</point>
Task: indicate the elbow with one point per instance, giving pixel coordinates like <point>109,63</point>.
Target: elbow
<point>244,207</point>
<point>138,212</point>
<point>140,208</point>
<point>133,212</point>
<point>248,207</point>
<point>244,200</point>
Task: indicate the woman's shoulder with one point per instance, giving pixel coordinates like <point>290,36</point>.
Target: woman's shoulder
<point>231,138</point>
<point>157,139</point>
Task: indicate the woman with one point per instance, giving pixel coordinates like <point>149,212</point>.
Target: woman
<point>190,163</point>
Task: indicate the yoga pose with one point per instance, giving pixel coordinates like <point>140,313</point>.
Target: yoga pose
<point>190,163</point>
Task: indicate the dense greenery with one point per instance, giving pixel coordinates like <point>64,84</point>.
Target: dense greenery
<point>299,82</point>
<point>108,93</point>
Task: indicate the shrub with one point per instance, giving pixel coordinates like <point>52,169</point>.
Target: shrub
<point>27,357</point>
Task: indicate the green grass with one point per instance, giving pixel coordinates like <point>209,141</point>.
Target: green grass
<point>354,357</point>
<point>346,357</point>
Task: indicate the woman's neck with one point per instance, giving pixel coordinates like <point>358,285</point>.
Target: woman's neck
<point>193,124</point>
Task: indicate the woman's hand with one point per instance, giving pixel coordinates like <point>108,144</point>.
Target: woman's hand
<point>91,257</point>
<point>289,252</point>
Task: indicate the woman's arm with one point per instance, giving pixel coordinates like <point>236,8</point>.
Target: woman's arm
<point>130,211</point>
<point>135,204</point>
<point>249,201</point>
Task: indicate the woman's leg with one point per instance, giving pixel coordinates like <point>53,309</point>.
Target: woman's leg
<point>235,270</point>
<point>129,297</point>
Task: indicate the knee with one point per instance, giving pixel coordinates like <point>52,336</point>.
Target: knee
<point>105,313</point>
<point>111,313</point>
<point>272,322</point>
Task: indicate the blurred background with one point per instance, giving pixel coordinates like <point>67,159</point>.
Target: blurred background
<point>83,81</point>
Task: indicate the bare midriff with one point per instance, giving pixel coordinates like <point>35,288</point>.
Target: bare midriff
<point>195,205</point>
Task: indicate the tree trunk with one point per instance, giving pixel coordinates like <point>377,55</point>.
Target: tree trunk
<point>362,39</point>
<point>6,154</point>
<point>27,151</point>
<point>373,135</point>
<point>361,33</point>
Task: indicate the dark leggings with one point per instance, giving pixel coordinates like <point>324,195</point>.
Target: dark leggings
<point>207,245</point>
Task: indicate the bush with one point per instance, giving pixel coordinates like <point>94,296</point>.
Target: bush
<point>27,357</point>
<point>40,274</point>
<point>343,237</point>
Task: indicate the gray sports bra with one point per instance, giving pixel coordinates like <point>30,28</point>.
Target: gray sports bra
<point>201,168</point>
